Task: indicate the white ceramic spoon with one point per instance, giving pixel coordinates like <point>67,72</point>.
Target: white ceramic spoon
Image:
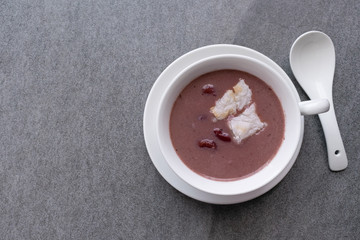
<point>312,60</point>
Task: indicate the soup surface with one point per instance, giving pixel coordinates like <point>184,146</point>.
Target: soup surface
<point>195,130</point>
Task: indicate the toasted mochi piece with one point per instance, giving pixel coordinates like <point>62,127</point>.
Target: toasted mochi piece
<point>232,101</point>
<point>242,94</point>
<point>225,106</point>
<point>246,124</point>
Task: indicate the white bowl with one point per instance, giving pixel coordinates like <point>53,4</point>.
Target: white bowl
<point>292,111</point>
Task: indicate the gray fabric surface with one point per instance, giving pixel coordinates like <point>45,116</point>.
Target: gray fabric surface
<point>74,78</point>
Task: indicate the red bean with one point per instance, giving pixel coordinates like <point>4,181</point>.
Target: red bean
<point>217,131</point>
<point>208,89</point>
<point>207,143</point>
<point>222,135</point>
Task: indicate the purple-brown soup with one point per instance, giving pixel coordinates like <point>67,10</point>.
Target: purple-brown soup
<point>206,146</point>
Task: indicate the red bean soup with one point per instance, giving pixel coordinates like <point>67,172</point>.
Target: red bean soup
<point>206,145</point>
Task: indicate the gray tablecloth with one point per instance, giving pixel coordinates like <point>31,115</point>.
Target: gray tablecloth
<point>74,79</point>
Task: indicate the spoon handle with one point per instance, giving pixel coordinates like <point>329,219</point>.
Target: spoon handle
<point>335,147</point>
